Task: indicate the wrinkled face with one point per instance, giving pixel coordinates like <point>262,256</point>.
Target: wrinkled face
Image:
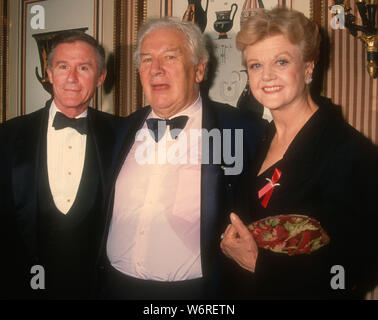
<point>74,76</point>
<point>169,78</point>
<point>277,72</point>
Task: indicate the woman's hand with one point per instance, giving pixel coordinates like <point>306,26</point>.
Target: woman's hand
<point>239,244</point>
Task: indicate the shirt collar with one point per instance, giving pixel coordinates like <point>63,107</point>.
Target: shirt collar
<point>54,110</point>
<point>190,111</point>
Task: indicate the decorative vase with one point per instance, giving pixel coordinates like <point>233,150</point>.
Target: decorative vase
<point>195,14</point>
<point>224,23</point>
<point>250,8</point>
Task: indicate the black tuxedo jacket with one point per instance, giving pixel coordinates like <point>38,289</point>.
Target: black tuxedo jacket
<point>216,187</point>
<point>20,145</point>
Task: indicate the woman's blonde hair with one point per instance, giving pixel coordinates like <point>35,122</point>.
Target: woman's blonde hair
<point>292,24</point>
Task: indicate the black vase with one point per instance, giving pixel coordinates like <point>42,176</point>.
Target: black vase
<point>224,23</point>
<point>196,14</point>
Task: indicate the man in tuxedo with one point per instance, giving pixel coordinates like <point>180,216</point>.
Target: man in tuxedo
<point>54,165</point>
<point>171,183</point>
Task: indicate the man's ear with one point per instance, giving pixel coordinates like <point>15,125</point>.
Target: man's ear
<point>49,74</point>
<point>101,78</point>
<point>200,71</point>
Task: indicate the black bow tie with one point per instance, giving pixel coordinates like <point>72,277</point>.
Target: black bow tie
<point>175,125</point>
<point>61,121</point>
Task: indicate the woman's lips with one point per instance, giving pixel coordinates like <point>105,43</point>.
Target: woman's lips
<point>272,89</point>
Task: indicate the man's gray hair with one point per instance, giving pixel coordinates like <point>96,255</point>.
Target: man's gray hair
<point>195,40</point>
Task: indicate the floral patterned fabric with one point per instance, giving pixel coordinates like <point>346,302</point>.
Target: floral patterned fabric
<point>289,234</point>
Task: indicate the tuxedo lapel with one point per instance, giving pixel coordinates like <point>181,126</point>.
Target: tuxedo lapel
<point>127,138</point>
<point>103,139</point>
<point>211,198</point>
<point>26,158</point>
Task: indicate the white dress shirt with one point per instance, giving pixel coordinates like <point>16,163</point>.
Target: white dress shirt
<point>65,161</point>
<point>155,228</point>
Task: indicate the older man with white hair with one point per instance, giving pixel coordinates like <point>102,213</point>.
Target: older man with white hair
<point>174,174</point>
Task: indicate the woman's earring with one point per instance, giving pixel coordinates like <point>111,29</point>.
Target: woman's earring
<point>308,80</point>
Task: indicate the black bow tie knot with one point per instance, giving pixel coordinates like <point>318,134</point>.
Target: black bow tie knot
<point>158,126</point>
<point>61,121</point>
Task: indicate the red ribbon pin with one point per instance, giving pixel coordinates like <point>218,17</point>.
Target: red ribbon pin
<point>267,190</point>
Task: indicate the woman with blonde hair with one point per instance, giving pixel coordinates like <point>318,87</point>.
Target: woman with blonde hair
<point>309,202</point>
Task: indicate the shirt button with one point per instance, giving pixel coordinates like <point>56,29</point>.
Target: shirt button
<point>70,147</point>
<point>69,173</point>
<point>68,200</point>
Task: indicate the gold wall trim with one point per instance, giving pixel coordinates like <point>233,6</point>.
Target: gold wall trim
<point>4,26</point>
<point>168,8</point>
<point>129,15</point>
<point>23,50</point>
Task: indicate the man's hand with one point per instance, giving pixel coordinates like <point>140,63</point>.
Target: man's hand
<point>239,244</point>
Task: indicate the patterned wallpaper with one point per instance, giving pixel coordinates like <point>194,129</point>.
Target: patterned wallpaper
<point>347,81</point>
